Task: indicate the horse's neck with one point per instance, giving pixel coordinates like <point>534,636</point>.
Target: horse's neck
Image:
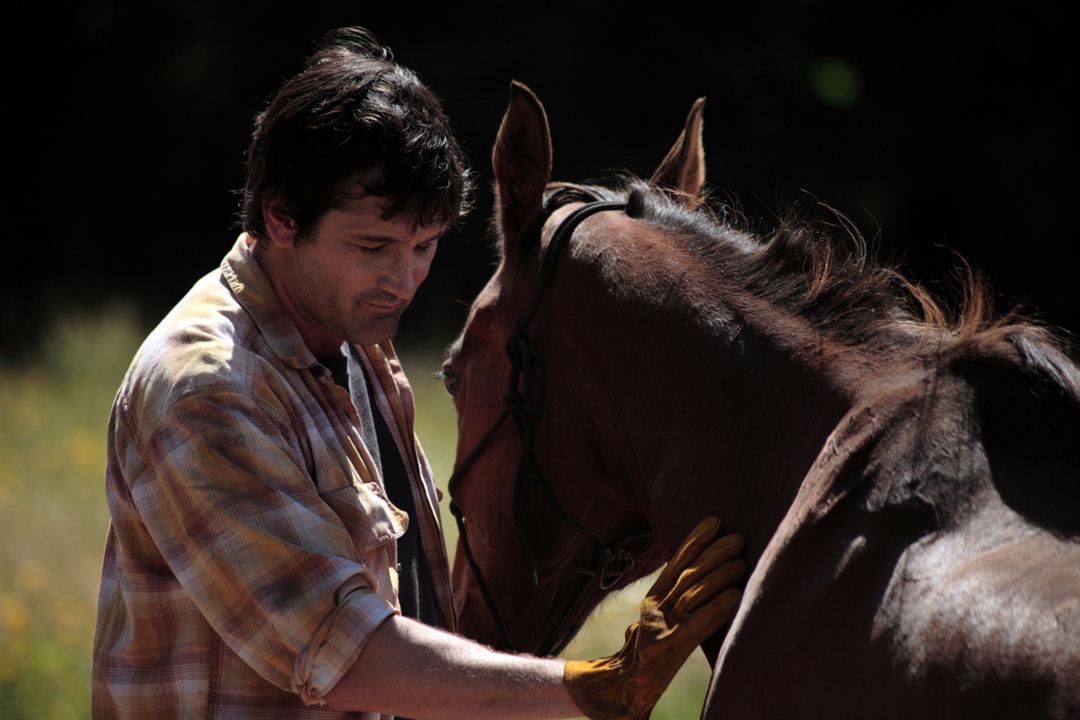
<point>731,416</point>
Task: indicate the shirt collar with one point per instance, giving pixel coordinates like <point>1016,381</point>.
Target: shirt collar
<point>256,295</point>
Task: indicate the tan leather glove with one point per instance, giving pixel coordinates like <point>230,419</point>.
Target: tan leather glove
<point>690,600</point>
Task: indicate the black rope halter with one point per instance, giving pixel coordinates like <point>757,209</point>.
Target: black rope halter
<point>524,402</point>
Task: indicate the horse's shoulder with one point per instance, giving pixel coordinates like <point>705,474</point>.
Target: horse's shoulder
<point>1025,407</point>
<point>998,425</point>
<point>898,447</point>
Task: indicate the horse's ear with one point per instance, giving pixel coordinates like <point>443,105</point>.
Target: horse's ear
<point>521,161</point>
<point>683,169</point>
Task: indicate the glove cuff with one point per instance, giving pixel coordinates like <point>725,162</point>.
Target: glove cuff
<point>599,689</point>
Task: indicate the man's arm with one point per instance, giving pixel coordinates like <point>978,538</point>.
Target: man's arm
<point>407,668</point>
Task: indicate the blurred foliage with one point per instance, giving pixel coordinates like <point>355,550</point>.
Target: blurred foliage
<point>54,415</point>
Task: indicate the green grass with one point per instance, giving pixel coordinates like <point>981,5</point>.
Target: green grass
<point>53,518</point>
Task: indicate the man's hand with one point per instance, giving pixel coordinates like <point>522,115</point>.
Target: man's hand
<point>690,600</point>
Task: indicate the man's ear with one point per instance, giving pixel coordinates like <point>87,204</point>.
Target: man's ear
<point>280,227</point>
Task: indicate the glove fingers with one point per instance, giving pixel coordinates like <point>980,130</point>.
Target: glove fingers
<point>709,587</point>
<point>720,552</point>
<point>711,617</point>
<point>697,542</point>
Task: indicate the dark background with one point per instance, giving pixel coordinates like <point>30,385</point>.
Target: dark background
<point>933,129</point>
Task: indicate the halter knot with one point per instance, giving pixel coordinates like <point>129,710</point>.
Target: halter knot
<point>613,566</point>
<point>514,342</point>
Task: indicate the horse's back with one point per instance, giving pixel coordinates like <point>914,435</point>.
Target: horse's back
<point>930,567</point>
<point>954,634</point>
<point>989,607</point>
<point>988,621</point>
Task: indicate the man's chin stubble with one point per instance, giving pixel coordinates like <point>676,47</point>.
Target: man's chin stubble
<point>375,333</point>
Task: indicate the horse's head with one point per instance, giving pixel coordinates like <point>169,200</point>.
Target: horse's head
<point>546,480</point>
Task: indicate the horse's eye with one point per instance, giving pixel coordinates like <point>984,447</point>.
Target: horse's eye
<point>450,380</point>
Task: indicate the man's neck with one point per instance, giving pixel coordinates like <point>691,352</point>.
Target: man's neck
<point>320,341</point>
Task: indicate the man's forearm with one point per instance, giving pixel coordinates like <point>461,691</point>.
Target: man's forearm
<point>410,669</point>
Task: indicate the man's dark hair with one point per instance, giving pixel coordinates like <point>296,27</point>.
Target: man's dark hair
<point>354,122</point>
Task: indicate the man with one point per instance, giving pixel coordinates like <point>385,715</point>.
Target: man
<point>273,520</point>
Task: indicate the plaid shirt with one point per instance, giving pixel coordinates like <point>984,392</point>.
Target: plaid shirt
<point>252,546</point>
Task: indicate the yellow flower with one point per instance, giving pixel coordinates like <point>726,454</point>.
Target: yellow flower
<point>13,614</point>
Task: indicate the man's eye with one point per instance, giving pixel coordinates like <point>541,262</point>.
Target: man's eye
<point>370,249</point>
<point>424,249</point>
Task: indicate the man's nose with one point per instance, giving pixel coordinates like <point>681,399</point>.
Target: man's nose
<point>400,278</point>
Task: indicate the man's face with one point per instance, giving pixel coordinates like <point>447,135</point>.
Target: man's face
<point>358,272</point>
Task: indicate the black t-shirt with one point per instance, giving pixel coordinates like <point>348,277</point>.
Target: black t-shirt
<point>415,593</point>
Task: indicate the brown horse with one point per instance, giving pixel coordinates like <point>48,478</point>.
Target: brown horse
<point>908,485</point>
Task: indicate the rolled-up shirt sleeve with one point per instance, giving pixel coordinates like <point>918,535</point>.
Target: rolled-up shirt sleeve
<point>225,493</point>
<point>334,648</point>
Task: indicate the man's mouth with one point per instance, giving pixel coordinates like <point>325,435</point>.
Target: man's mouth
<point>394,308</point>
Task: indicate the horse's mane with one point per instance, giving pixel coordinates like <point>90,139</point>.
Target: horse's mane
<point>822,270</point>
